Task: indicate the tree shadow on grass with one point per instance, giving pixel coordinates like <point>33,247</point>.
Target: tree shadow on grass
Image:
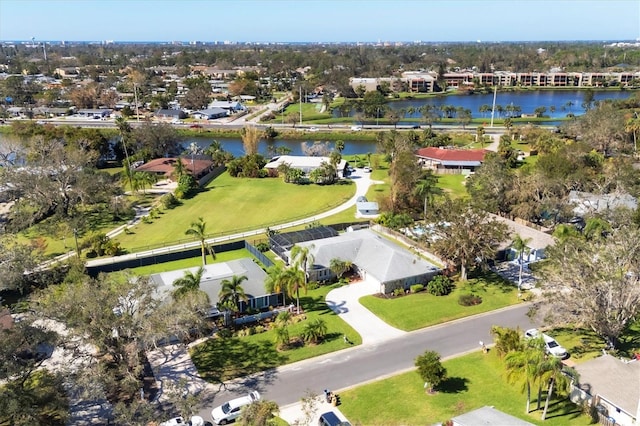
<point>454,385</point>
<point>562,408</point>
<point>222,359</point>
<point>315,304</point>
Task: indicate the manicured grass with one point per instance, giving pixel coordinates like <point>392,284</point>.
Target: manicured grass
<point>454,185</point>
<point>474,380</point>
<point>190,262</point>
<point>220,359</point>
<point>230,205</point>
<point>422,309</point>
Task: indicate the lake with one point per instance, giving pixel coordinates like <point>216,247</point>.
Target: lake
<point>562,102</point>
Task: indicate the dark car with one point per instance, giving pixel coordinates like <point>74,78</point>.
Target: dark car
<point>330,419</point>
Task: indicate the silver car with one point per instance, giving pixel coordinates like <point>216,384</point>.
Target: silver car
<point>230,411</point>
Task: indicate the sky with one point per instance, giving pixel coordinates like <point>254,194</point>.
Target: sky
<point>320,21</point>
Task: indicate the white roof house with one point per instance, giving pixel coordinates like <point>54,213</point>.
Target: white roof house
<point>488,416</point>
<point>373,256</point>
<point>304,163</point>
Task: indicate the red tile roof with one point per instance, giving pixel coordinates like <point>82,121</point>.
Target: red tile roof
<point>444,154</point>
<point>165,166</point>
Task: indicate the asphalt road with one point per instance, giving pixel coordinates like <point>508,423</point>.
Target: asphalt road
<point>340,370</point>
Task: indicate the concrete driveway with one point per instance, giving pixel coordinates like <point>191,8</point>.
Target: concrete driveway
<point>345,302</point>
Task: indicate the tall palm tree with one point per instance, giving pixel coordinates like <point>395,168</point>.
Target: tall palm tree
<point>294,278</point>
<point>302,259</point>
<point>125,130</point>
<point>275,281</point>
<point>198,230</point>
<point>426,189</point>
<point>188,283</point>
<point>519,244</point>
<point>232,292</point>
<point>524,366</point>
<point>553,374</point>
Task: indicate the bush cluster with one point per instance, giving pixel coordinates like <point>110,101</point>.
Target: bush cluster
<point>416,288</point>
<point>440,286</point>
<point>469,300</point>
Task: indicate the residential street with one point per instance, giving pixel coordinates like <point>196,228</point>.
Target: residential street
<point>340,370</point>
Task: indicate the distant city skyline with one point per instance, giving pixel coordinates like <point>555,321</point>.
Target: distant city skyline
<point>320,21</point>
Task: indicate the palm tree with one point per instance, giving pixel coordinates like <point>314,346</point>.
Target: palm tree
<point>426,188</point>
<point>524,365</point>
<point>179,169</point>
<point>314,330</point>
<point>125,130</point>
<point>294,278</point>
<point>632,126</point>
<point>198,230</point>
<point>188,283</point>
<point>519,244</point>
<point>553,373</point>
<point>339,266</point>
<point>302,259</point>
<point>275,281</point>
<point>232,292</point>
<point>339,146</point>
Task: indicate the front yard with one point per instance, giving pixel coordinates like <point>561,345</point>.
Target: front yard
<point>422,309</point>
<point>474,380</point>
<point>221,359</point>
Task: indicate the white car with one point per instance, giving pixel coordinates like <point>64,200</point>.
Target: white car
<point>550,345</point>
<point>356,128</point>
<point>230,411</point>
<point>313,129</point>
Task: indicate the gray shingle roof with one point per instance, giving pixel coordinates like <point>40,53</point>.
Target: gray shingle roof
<point>382,259</point>
<point>615,380</point>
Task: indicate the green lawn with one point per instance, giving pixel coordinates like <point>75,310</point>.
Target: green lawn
<point>421,310</point>
<point>190,262</point>
<point>474,380</point>
<point>229,205</point>
<point>220,359</point>
<point>454,185</point>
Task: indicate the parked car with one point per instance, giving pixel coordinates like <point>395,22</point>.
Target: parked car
<point>367,169</point>
<point>229,411</point>
<point>550,345</point>
<point>330,419</point>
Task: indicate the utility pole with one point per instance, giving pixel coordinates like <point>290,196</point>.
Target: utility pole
<point>300,96</point>
<point>135,97</point>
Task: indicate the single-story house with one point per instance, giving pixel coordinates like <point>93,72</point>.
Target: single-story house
<point>372,257</point>
<point>588,203</point>
<point>210,113</point>
<point>94,113</point>
<point>164,166</point>
<point>52,112</point>
<point>170,114</point>
<point>211,283</point>
<point>231,106</point>
<point>538,240</point>
<point>613,386</point>
<point>304,163</point>
<point>446,160</point>
<point>487,416</point>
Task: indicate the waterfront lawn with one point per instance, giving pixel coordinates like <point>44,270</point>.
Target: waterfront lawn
<point>474,380</point>
<point>415,311</point>
<point>221,359</point>
<point>230,205</point>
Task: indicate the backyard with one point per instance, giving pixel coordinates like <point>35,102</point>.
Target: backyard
<point>230,205</point>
